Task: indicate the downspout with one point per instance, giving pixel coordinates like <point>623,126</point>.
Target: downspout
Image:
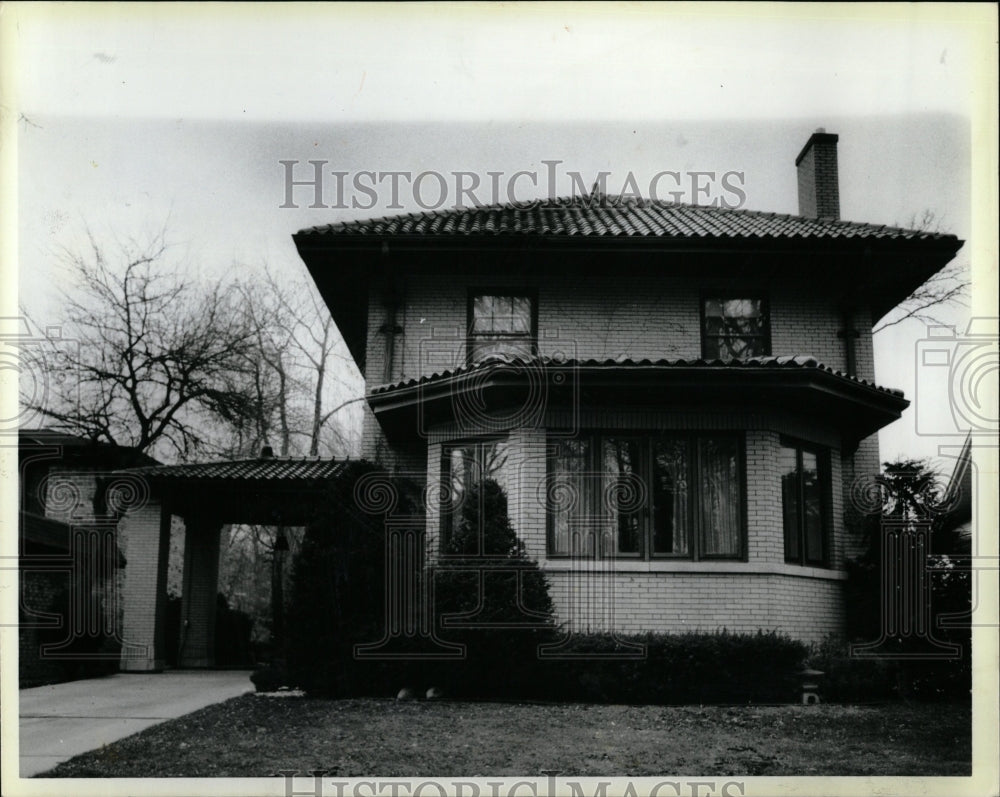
<point>849,335</point>
<point>390,328</point>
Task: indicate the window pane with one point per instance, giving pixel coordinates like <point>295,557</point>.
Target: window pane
<point>482,313</point>
<point>721,497</point>
<point>500,326</point>
<point>459,475</point>
<point>623,495</point>
<point>567,501</point>
<point>734,329</point>
<point>788,467</point>
<point>521,315</point>
<point>478,487</point>
<point>741,308</point>
<point>812,508</point>
<point>670,496</point>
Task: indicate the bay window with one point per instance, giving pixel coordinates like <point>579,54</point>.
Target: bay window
<point>646,497</point>
<point>803,498</point>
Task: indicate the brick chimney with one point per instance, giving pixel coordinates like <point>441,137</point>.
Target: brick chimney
<point>819,193</point>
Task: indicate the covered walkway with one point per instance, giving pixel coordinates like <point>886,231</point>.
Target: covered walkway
<point>267,491</point>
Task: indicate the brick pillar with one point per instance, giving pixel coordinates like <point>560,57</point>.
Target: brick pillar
<point>147,529</point>
<point>201,579</point>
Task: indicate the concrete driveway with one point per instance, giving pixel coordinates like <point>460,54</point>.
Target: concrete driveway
<point>60,721</point>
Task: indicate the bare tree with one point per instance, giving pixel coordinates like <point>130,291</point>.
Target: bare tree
<point>295,365</point>
<point>948,287</point>
<point>158,361</point>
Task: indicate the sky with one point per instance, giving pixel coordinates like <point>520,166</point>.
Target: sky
<point>130,117</point>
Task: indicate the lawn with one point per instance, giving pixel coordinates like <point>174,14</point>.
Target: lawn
<point>252,736</point>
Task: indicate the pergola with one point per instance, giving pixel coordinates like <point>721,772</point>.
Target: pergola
<point>265,491</point>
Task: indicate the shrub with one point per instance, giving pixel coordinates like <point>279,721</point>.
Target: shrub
<point>720,667</point>
<point>232,634</point>
<point>270,678</point>
<point>910,666</point>
<point>499,597</point>
<point>338,593</point>
<point>852,680</point>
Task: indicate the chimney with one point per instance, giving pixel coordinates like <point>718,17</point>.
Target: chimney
<point>819,193</point>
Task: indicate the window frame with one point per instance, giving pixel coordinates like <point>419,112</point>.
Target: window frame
<point>446,517</point>
<point>695,521</point>
<point>727,295</point>
<point>530,294</point>
<point>824,477</point>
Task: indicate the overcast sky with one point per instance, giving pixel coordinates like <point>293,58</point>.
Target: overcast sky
<point>130,115</point>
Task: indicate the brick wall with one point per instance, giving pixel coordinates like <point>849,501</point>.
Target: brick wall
<point>803,608</point>
<point>645,316</point>
<point>145,588</point>
<point>196,646</point>
<point>642,317</point>
<point>763,592</point>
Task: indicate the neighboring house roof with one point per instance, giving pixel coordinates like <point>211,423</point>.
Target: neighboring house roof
<point>958,493</point>
<point>43,531</point>
<point>50,437</point>
<point>79,449</point>
<point>801,362</point>
<point>263,469</point>
<point>608,215</point>
<point>38,532</point>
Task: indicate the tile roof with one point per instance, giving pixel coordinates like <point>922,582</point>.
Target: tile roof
<point>262,469</point>
<point>756,363</point>
<point>616,216</point>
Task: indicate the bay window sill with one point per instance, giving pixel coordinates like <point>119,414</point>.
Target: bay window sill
<point>708,567</point>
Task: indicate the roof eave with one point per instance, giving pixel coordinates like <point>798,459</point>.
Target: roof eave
<point>863,408</point>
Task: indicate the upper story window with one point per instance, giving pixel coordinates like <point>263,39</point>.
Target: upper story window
<point>646,496</point>
<point>734,328</point>
<point>803,497</point>
<point>501,323</point>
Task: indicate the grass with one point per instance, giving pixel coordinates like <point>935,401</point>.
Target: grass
<point>251,736</point>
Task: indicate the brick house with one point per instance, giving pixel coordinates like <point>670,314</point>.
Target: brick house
<point>675,399</point>
<point>69,559</point>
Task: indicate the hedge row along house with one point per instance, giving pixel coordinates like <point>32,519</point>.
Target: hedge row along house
<point>675,400</point>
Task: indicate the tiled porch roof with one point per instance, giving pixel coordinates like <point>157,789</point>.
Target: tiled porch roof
<point>755,363</point>
<point>262,469</point>
<point>617,216</point>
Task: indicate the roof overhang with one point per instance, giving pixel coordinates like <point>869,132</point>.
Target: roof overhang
<point>880,272</point>
<point>523,394</point>
<point>266,491</point>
